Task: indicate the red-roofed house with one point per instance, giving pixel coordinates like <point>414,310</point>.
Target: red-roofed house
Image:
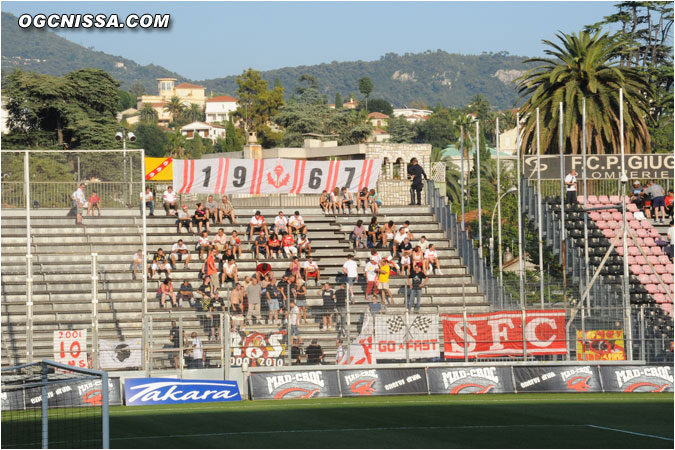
<point>351,104</point>
<point>379,135</point>
<point>218,108</point>
<point>167,89</point>
<point>377,119</point>
<point>203,129</point>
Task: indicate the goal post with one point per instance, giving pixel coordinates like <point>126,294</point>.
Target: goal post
<point>74,415</point>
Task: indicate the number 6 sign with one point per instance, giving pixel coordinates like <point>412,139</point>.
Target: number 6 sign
<point>70,347</point>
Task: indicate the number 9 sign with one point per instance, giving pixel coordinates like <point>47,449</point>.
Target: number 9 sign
<point>70,347</point>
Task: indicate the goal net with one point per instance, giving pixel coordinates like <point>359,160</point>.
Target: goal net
<point>74,415</point>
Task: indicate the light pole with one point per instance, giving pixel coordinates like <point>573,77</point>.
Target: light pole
<point>492,228</point>
<point>122,136</point>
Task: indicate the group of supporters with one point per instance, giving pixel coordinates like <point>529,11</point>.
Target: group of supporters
<point>341,201</point>
<point>652,200</point>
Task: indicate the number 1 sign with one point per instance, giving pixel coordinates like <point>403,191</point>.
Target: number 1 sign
<point>70,347</point>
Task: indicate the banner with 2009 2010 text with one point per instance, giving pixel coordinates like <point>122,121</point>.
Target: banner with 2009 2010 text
<point>272,176</point>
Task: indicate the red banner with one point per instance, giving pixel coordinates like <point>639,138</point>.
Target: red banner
<point>502,333</point>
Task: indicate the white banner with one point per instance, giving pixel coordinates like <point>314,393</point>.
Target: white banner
<point>70,347</point>
<point>391,337</point>
<point>361,350</point>
<point>119,355</point>
<point>272,176</point>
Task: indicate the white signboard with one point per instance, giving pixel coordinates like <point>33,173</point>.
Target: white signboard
<point>70,347</point>
<point>120,355</point>
<point>391,338</point>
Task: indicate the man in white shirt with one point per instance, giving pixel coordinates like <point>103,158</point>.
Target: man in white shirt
<point>571,185</point>
<point>431,257</point>
<point>372,270</point>
<point>79,203</point>
<point>297,224</point>
<point>198,355</point>
<point>179,251</point>
<point>375,256</point>
<point>293,318</point>
<point>351,269</point>
<point>423,243</point>
<point>257,224</point>
<point>137,263</point>
<point>147,201</point>
<point>312,271</point>
<point>169,200</point>
<point>281,224</point>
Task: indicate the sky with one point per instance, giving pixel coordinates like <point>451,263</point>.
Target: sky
<point>216,39</point>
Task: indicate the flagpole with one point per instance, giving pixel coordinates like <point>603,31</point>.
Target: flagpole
<point>499,211</point>
<point>583,152</point>
<point>521,256</point>
<point>626,289</point>
<point>480,211</point>
<point>563,255</point>
<point>461,151</point>
<point>539,218</point>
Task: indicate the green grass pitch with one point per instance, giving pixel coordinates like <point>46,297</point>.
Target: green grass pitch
<point>492,421</point>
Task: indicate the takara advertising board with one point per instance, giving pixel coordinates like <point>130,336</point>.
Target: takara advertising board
<point>164,391</point>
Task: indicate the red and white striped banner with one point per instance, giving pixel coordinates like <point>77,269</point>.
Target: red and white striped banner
<point>273,176</point>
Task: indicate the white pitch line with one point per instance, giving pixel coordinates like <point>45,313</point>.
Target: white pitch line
<point>342,430</point>
<point>630,432</point>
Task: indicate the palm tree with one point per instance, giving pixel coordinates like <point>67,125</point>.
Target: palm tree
<point>584,65</point>
<point>175,145</point>
<point>466,125</point>
<point>175,107</point>
<point>194,113</point>
<point>148,114</point>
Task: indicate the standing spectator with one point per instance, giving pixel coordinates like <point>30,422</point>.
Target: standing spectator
<point>201,217</point>
<point>226,209</point>
<point>230,272</point>
<point>281,224</point>
<point>94,203</point>
<point>658,200</point>
<point>571,187</point>
<point>185,292</point>
<point>375,236</point>
<point>159,263</point>
<point>301,297</point>
<point>416,282</point>
<point>339,351</point>
<point>415,173</point>
<point>312,271</point>
<point>375,202</point>
<point>328,297</point>
<point>204,245</point>
<point>358,236</point>
<point>262,269</point>
<point>371,279</point>
<point>169,199</point>
<point>383,281</point>
<point>175,339</point>
<point>211,207</point>
<point>297,224</point>
<point>253,292</point>
<point>79,203</point>
<point>148,201</point>
<point>351,269</point>
<point>304,246</point>
<point>271,294</point>
<point>341,308</point>
<point>335,202</point>
<point>260,245</point>
<point>375,307</point>
<point>166,290</point>
<point>362,200</point>
<point>288,244</point>
<point>431,258</point>
<point>257,224</point>
<point>137,263</point>
<point>347,199</point>
<point>212,270</point>
<point>220,241</point>
<point>274,245</point>
<point>389,230</point>
<point>293,318</point>
<point>315,353</point>
<point>198,356</point>
<point>184,220</point>
<point>179,251</point>
<point>375,257</point>
<point>296,351</point>
<point>237,298</point>
<point>324,202</point>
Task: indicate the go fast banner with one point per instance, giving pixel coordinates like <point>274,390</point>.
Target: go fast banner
<point>272,176</point>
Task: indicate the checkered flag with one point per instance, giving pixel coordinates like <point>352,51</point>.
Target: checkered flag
<point>395,324</point>
<point>422,323</point>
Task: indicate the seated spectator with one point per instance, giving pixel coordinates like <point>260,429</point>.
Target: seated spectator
<point>417,257</point>
<point>166,290</point>
<point>288,244</point>
<point>324,202</point>
<point>175,339</point>
<point>184,220</point>
<point>304,246</point>
<point>207,292</point>
<point>347,200</point>
<point>137,263</point>
<point>375,235</point>
<point>169,199</point>
<point>235,244</point>
<point>358,236</point>
<point>296,224</point>
<point>296,351</point>
<point>211,207</point>
<point>260,246</point>
<point>423,243</point>
<point>636,195</point>
<point>94,203</point>
<point>180,252</point>
<point>159,263</point>
<point>363,200</point>
<point>293,318</point>
<point>274,245</point>
<point>408,230</point>
<point>281,224</point>
<point>147,201</point>
<point>328,310</point>
<point>262,269</point>
<point>230,272</point>
<point>204,245</point>
<point>669,203</point>
<point>315,353</point>
<point>335,202</point>
<point>405,264</point>
<point>226,209</point>
<point>227,254</point>
<point>185,292</point>
<point>294,267</point>
<point>431,259</point>
<point>389,231</point>
<point>220,241</point>
<point>398,240</point>
<point>375,202</point>
<point>406,247</point>
<point>196,353</point>
<point>201,218</point>
<point>256,225</point>
<point>312,271</point>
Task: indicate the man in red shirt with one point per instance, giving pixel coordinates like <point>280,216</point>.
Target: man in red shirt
<point>288,243</point>
<point>95,202</point>
<point>668,201</point>
<point>261,270</point>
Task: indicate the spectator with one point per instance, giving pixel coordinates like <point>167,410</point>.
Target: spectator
<point>285,286</point>
<point>324,202</point>
<point>389,231</point>
<point>371,271</point>
<point>147,201</point>
<point>288,244</point>
<point>341,308</point>
<point>669,203</point>
<point>375,307</point>
<point>339,351</point>
<point>185,292</point>
<point>256,225</point>
<point>301,297</point>
<point>416,282</point>
<point>227,254</point>
<point>207,292</point>
<point>408,231</point>
<point>169,199</point>
<point>315,353</point>
<point>237,299</point>
<point>636,195</point>
<point>363,200</point>
<point>179,251</point>
<point>375,202</point>
<point>415,173</point>
<point>262,269</point>
<point>94,203</point>
<point>398,239</point>
<point>423,243</point>
<point>197,352</point>
<point>230,272</point>
<point>260,245</point>
<point>658,200</point>
<point>351,269</point>
<point>281,224</point>
<point>358,236</point>
<point>212,270</point>
<point>296,224</point>
<point>294,267</point>
<point>406,247</point>
<point>211,208</point>
<point>312,271</point>
<point>137,263</point>
<point>293,318</point>
<point>431,259</point>
<point>296,351</point>
<point>184,220</point>
<point>335,202</point>
<point>670,249</point>
<point>375,257</point>
<point>571,187</point>
<point>271,293</point>
<point>274,245</point>
<point>79,203</point>
<point>166,290</point>
<point>175,339</point>
<point>304,246</point>
<point>220,241</point>
<point>405,264</point>
<point>253,292</point>
<point>204,245</point>
<point>201,217</point>
<point>417,257</point>
<point>383,281</point>
<point>159,264</point>
<point>347,200</point>
<point>328,297</point>
<point>374,233</point>
<point>226,209</point>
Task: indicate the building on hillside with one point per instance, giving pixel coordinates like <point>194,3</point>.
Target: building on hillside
<point>203,129</point>
<point>131,115</point>
<point>189,94</point>
<point>508,140</point>
<point>405,112</point>
<point>452,154</point>
<point>4,116</point>
<point>351,104</point>
<point>218,109</point>
<point>414,118</point>
<point>377,119</point>
<point>379,135</point>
